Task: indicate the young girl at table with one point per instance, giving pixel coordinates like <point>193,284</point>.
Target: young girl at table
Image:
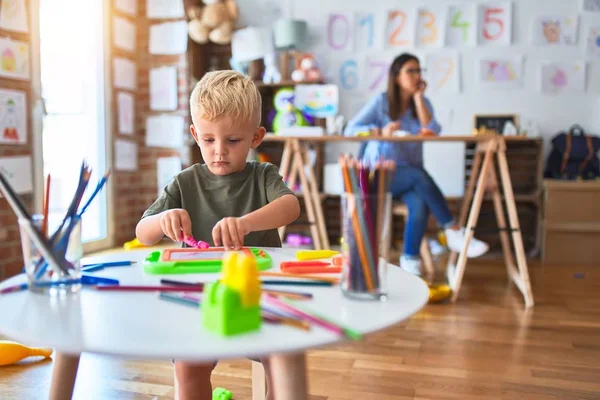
<point>404,108</point>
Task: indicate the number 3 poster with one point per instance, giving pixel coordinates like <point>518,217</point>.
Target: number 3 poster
<point>495,23</point>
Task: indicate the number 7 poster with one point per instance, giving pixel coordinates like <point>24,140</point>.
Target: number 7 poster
<point>461,25</point>
<point>495,23</point>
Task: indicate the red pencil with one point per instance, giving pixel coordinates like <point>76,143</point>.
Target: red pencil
<point>133,288</point>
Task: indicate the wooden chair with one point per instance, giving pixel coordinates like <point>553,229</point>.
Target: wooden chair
<point>400,209</point>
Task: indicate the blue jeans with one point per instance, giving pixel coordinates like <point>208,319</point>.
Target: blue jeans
<point>415,187</point>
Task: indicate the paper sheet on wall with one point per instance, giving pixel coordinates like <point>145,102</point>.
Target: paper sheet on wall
<point>170,38</point>
<point>166,169</point>
<point>13,16</point>
<point>443,72</point>
<point>17,171</point>
<point>555,29</point>
<point>165,9</point>
<point>431,26</point>
<point>317,100</point>
<point>340,31</point>
<point>126,155</point>
<point>558,77</point>
<point>126,6</point>
<point>368,31</point>
<point>400,28</point>
<point>461,25</point>
<point>124,34</point>
<point>15,59</point>
<point>163,89</point>
<point>125,110</point>
<point>495,23</point>
<point>165,131</point>
<point>501,72</point>
<point>593,42</point>
<point>125,74</point>
<point>591,5</point>
<point>375,72</point>
<point>13,117</point>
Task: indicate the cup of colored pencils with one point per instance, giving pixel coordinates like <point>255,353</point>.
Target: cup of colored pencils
<point>43,277</point>
<point>366,219</point>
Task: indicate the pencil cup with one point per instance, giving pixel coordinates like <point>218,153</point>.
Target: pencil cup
<point>47,278</point>
<point>366,243</point>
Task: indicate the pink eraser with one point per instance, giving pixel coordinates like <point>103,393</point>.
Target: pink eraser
<point>202,245</point>
<point>190,241</point>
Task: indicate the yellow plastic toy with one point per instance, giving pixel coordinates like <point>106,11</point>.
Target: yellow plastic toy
<point>12,352</point>
<point>132,244</point>
<point>240,274</point>
<point>315,254</point>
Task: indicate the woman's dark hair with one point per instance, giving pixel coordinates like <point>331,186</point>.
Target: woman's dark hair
<point>393,88</point>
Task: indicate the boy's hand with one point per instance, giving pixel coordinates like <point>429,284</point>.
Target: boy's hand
<point>172,222</point>
<point>229,232</point>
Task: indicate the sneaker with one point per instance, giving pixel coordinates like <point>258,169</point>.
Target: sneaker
<point>411,265</point>
<point>456,238</point>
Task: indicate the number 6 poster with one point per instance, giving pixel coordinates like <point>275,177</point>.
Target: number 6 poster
<point>495,24</point>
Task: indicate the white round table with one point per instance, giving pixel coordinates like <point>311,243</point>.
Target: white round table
<point>141,325</point>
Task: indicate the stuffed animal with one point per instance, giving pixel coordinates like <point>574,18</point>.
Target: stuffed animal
<point>215,21</point>
<point>286,114</point>
<point>308,71</point>
<point>272,74</point>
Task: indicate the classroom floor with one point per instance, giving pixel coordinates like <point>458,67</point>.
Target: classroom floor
<point>484,347</point>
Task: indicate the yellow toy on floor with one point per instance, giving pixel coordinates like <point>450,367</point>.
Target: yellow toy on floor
<point>12,352</point>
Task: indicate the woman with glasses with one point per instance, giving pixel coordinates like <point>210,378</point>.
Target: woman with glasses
<point>404,110</point>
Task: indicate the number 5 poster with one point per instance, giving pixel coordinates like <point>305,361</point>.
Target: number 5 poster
<point>495,24</point>
<point>461,25</point>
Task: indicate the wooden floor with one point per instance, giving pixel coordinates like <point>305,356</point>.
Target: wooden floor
<point>487,346</point>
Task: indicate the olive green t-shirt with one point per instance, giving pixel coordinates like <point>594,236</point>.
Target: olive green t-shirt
<point>208,198</point>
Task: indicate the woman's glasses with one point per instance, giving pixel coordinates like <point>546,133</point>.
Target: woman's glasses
<point>415,71</point>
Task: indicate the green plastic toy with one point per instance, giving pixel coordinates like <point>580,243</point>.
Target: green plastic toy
<point>194,261</point>
<point>232,306</point>
<point>221,394</point>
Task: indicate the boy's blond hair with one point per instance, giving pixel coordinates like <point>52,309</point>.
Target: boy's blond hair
<point>221,94</point>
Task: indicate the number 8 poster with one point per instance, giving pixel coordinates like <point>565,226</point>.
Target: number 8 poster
<point>495,23</point>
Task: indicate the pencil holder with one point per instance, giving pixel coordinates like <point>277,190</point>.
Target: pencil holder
<point>366,243</point>
<point>47,278</point>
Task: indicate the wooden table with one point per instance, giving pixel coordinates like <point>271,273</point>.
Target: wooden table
<point>295,164</point>
<point>140,325</point>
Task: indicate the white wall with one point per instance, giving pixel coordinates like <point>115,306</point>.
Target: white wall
<point>551,112</point>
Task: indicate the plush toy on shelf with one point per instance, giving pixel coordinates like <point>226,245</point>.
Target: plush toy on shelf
<point>308,71</point>
<point>215,21</point>
<point>286,115</point>
<point>12,352</point>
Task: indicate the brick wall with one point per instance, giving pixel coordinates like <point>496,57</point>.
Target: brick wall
<point>11,261</point>
<point>135,191</point>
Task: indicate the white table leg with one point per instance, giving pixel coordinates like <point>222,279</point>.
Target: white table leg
<point>63,376</point>
<point>289,376</point>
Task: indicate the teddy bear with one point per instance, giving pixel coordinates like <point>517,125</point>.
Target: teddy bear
<point>214,21</point>
<point>308,71</point>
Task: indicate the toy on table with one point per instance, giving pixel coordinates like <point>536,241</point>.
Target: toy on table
<point>232,305</point>
<point>12,352</point>
<point>295,239</point>
<point>286,115</point>
<point>132,244</point>
<point>194,261</point>
<point>315,254</point>
<point>309,267</point>
<point>197,244</point>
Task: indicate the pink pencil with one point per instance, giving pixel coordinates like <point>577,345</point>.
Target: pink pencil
<point>124,288</point>
<point>307,317</point>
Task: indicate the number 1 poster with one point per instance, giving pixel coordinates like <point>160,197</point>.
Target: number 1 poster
<point>495,24</point>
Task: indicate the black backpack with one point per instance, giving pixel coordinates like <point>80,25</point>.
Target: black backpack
<point>573,156</point>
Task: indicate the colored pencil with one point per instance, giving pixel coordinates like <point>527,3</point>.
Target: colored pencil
<point>290,275</point>
<point>134,288</point>
<point>296,283</point>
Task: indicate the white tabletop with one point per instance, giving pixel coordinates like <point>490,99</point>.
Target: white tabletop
<point>140,325</point>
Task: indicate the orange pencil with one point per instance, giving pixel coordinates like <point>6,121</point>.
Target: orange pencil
<point>313,270</point>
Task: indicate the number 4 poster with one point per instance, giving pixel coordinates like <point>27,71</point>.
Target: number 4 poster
<point>461,25</point>
<point>495,23</point>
